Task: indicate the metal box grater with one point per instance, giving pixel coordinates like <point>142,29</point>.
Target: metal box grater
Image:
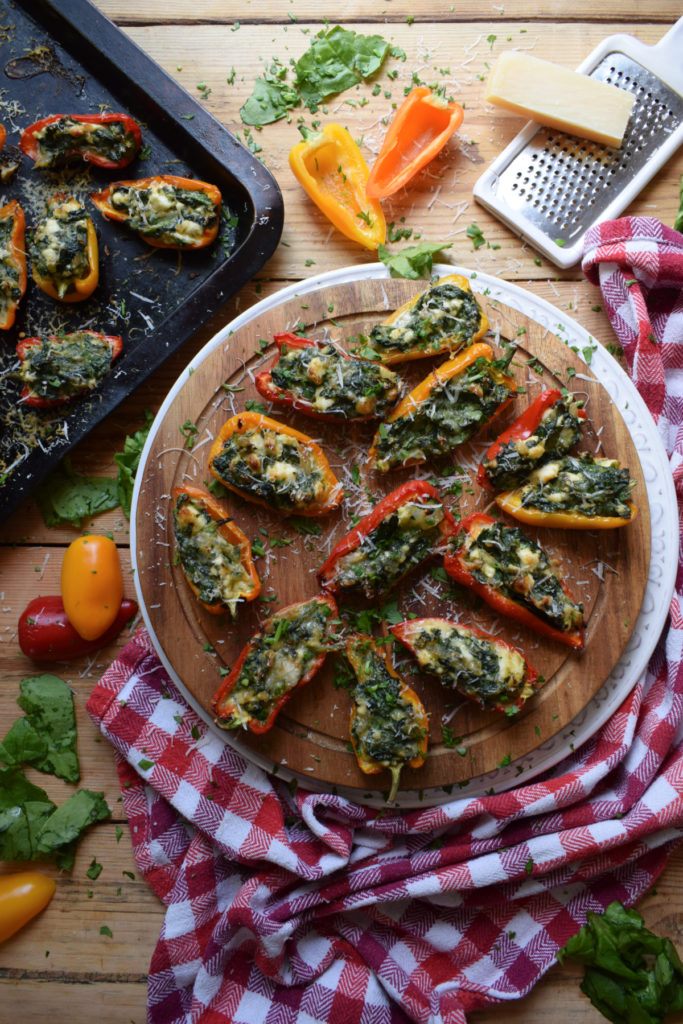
<point>550,187</point>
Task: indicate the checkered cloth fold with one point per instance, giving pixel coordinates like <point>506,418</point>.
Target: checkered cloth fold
<point>304,908</point>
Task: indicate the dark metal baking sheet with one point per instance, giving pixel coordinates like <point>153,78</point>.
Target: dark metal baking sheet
<point>63,56</point>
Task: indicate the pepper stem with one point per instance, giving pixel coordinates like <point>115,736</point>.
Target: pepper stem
<point>395,778</point>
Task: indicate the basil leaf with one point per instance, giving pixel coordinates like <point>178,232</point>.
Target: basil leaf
<point>335,61</point>
<point>128,461</point>
<point>65,496</point>
<point>413,262</point>
<point>48,703</point>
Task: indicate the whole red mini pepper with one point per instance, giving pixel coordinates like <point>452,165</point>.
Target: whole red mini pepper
<point>26,349</point>
<point>13,262</point>
<point>45,633</point>
<point>456,567</point>
<point>420,129</point>
<point>70,126</point>
<point>383,385</point>
<point>414,491</point>
<point>525,426</point>
<point>225,703</point>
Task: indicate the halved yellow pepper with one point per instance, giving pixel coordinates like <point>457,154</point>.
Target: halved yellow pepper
<point>331,168</point>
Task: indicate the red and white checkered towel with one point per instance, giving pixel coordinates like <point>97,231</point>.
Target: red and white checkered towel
<point>303,909</point>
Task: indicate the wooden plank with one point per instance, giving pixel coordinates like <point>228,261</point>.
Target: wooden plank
<point>255,12</point>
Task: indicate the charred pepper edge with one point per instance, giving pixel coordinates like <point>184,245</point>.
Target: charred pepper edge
<point>229,529</point>
<point>270,391</point>
<point>103,204</point>
<point>30,146</point>
<point>420,353</point>
<point>404,631</point>
<point>29,397</point>
<point>243,422</point>
<point>422,126</point>
<point>505,605</point>
<point>423,390</point>
<point>366,224</point>
<point>17,254</point>
<point>368,765</point>
<point>81,287</point>
<point>389,504</point>
<point>221,706</point>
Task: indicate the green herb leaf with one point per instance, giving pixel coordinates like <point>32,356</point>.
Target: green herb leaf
<point>413,262</point>
<point>49,706</point>
<point>128,461</point>
<point>678,223</point>
<point>337,60</point>
<point>22,744</point>
<point>65,496</point>
<point>271,99</point>
<point>24,808</point>
<point>475,233</point>
<point>95,869</point>
<point>66,823</point>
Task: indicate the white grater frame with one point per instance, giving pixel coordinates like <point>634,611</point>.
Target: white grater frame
<point>663,60</point>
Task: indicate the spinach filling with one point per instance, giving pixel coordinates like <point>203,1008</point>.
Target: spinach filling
<point>591,487</point>
<point>62,367</point>
<point>387,727</point>
<point>10,291</point>
<point>556,434</point>
<point>451,414</point>
<point>279,658</point>
<point>60,244</point>
<point>444,316</point>
<point>272,467</point>
<point>209,560</point>
<point>58,140</point>
<point>478,668</point>
<point>400,542</point>
<point>334,385</point>
<point>504,558</point>
<point>173,215</point>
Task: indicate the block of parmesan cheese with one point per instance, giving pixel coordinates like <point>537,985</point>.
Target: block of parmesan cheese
<point>560,98</point>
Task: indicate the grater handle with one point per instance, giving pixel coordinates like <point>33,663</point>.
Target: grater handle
<point>671,42</point>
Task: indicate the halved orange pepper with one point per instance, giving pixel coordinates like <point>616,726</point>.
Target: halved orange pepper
<point>159,225</point>
<point>252,468</point>
<point>333,172</point>
<point>430,438</point>
<point>12,262</point>
<point>430,323</point>
<point>193,511</point>
<point>394,714</point>
<point>420,128</point>
<point>78,280</point>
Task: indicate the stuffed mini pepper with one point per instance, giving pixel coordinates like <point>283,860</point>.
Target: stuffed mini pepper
<point>12,262</point>
<point>404,529</point>
<point>64,251</point>
<point>57,368</point>
<point>166,211</point>
<point>546,430</point>
<point>274,465</point>
<point>443,318</point>
<point>479,666</point>
<point>444,410</point>
<point>389,725</point>
<point>320,380</point>
<point>282,657</point>
<point>214,554</point>
<point>105,140</point>
<point>515,576</point>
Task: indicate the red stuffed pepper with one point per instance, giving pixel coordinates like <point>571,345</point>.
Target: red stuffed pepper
<point>166,211</point>
<point>515,576</point>
<point>12,262</point>
<point>64,251</point>
<point>320,380</point>
<point>482,667</point>
<point>547,429</point>
<point>405,528</point>
<point>60,367</point>
<point>106,140</point>
<point>214,554</point>
<point>282,657</point>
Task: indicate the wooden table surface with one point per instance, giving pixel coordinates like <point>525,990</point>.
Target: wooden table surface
<point>60,965</point>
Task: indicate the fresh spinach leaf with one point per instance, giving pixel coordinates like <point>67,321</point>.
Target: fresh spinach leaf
<point>335,61</point>
<point>65,496</point>
<point>128,461</point>
<point>24,809</point>
<point>49,707</point>
<point>413,262</point>
<point>67,821</point>
<point>22,744</point>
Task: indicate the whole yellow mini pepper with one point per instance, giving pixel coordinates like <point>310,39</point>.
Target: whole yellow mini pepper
<point>22,896</point>
<point>333,172</point>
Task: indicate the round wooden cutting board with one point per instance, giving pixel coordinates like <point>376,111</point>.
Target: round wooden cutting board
<point>607,570</point>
